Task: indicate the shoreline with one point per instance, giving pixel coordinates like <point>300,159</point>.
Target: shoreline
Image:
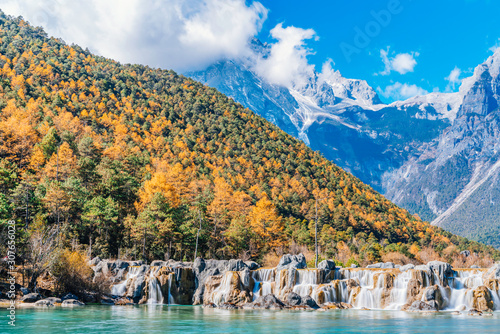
<point>20,305</point>
<point>235,284</point>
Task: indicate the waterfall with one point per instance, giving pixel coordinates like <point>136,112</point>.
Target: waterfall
<point>369,294</point>
<point>264,279</point>
<point>305,281</point>
<point>399,292</point>
<point>495,294</point>
<point>219,295</point>
<point>120,289</point>
<point>462,289</point>
<point>363,276</point>
<point>373,288</point>
<point>389,288</point>
<point>334,292</point>
<point>170,298</point>
<point>155,295</point>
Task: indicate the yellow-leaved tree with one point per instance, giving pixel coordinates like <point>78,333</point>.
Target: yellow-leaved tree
<point>158,184</point>
<point>62,164</point>
<point>266,224</point>
<point>17,132</point>
<point>219,209</point>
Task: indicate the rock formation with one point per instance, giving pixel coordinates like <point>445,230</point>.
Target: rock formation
<point>236,284</point>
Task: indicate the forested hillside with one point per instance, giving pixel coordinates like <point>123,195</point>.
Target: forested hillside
<point>126,160</point>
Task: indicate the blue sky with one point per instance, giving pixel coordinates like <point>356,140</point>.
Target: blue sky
<point>440,35</point>
<point>413,51</point>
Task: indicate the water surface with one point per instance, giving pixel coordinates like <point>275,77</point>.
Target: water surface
<point>195,319</point>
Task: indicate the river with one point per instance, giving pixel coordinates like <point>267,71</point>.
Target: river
<point>195,319</point>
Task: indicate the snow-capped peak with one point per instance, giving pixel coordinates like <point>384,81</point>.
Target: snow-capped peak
<point>353,89</point>
<point>446,105</point>
<point>493,63</point>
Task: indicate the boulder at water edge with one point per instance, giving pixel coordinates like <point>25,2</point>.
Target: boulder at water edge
<point>54,300</point>
<point>433,293</point>
<point>72,303</point>
<point>420,306</point>
<point>31,297</point>
<point>44,303</point>
<point>293,299</point>
<point>308,301</point>
<point>268,302</point>
<point>68,296</point>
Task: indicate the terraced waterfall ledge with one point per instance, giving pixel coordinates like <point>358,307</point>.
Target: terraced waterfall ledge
<point>236,284</point>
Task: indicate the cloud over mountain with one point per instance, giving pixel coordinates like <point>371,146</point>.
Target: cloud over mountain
<point>287,62</point>
<point>401,62</point>
<point>453,79</point>
<point>169,34</point>
<point>399,91</point>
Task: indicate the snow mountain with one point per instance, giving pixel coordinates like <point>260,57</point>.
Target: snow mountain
<point>437,155</point>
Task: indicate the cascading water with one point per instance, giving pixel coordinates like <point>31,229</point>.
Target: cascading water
<point>438,286</point>
<point>462,288</point>
<point>120,289</point>
<point>373,288</point>
<point>334,292</point>
<point>306,280</point>
<point>264,279</point>
<point>220,294</point>
<point>399,292</point>
<point>495,295</point>
<point>155,295</point>
<point>170,298</point>
<point>370,294</point>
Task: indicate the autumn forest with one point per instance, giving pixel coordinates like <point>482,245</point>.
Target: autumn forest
<point>135,162</point>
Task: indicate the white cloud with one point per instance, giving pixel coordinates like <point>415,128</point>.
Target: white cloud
<point>399,91</point>
<point>453,79</point>
<point>327,72</point>
<point>495,47</point>
<point>401,62</point>
<point>178,34</point>
<point>287,63</point>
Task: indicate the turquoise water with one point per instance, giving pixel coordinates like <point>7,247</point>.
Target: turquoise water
<point>195,319</point>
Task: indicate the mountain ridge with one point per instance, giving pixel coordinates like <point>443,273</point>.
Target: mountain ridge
<point>127,159</point>
<point>389,146</point>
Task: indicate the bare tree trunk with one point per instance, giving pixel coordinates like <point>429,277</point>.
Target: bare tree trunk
<point>90,245</point>
<point>144,245</point>
<point>316,236</point>
<point>57,180</point>
<point>197,237</point>
<point>32,282</point>
<point>27,208</point>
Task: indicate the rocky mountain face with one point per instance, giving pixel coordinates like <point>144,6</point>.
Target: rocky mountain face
<point>436,155</point>
<point>455,180</point>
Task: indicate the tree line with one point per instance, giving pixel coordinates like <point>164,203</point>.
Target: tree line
<point>136,162</point>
